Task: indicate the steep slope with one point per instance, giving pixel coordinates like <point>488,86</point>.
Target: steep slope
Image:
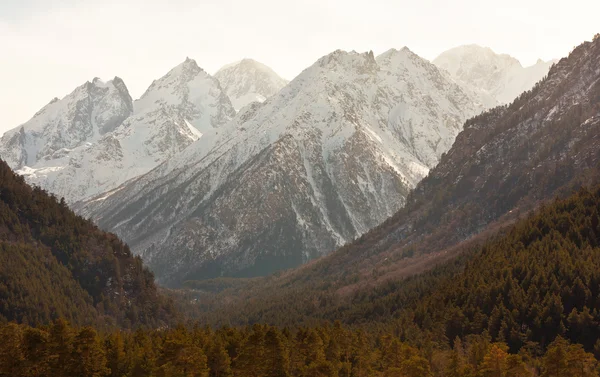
<point>330,156</point>
<point>249,81</point>
<point>56,264</point>
<point>88,113</point>
<point>173,112</point>
<point>504,163</point>
<point>499,75</point>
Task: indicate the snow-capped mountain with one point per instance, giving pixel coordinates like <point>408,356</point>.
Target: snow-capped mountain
<point>249,81</point>
<point>173,112</point>
<point>87,114</point>
<point>330,156</point>
<point>499,75</point>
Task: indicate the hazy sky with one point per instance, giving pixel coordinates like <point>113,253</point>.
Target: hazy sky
<point>48,47</point>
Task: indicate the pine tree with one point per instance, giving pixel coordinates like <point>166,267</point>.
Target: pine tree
<point>35,352</point>
<point>219,362</point>
<point>515,367</point>
<point>276,356</point>
<point>115,355</point>
<point>494,363</point>
<point>60,347</point>
<point>415,366</point>
<point>181,357</point>
<point>11,353</point>
<point>88,358</point>
<point>361,361</point>
<point>250,362</point>
<point>581,363</point>
<point>555,363</point>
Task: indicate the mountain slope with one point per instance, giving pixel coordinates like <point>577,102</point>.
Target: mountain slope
<point>173,112</point>
<point>249,81</point>
<point>331,155</point>
<point>499,75</point>
<point>504,163</point>
<point>56,264</point>
<point>85,115</point>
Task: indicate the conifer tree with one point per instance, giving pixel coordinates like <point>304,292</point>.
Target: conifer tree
<point>60,347</point>
<point>88,358</point>
<point>250,362</point>
<point>515,367</point>
<point>276,356</point>
<point>494,363</point>
<point>581,363</point>
<point>555,363</point>
<point>115,355</point>
<point>219,361</point>
<point>35,352</point>
<point>11,353</point>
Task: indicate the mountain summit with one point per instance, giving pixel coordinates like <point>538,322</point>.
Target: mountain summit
<point>85,115</point>
<point>499,75</point>
<point>249,81</point>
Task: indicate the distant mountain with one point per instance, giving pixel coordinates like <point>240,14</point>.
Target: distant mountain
<point>54,264</point>
<point>173,112</point>
<point>330,156</point>
<point>249,81</point>
<point>504,163</point>
<point>87,114</point>
<point>499,75</point>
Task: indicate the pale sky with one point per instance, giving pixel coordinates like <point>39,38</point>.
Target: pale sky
<point>49,47</point>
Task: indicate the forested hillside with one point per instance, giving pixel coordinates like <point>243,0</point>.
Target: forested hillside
<point>538,280</point>
<point>56,264</point>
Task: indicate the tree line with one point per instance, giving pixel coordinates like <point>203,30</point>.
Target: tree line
<point>329,350</point>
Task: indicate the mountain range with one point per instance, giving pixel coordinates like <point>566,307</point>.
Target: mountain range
<point>307,166</point>
<point>331,155</point>
<point>173,113</point>
<point>488,266</point>
<point>506,162</point>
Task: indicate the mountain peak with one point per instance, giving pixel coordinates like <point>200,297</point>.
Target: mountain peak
<point>499,76</point>
<point>90,111</point>
<point>340,60</point>
<point>247,81</point>
<point>189,65</point>
<point>171,87</point>
<point>249,62</point>
<point>392,52</point>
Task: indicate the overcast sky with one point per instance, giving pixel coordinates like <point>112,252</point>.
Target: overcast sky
<point>48,47</point>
